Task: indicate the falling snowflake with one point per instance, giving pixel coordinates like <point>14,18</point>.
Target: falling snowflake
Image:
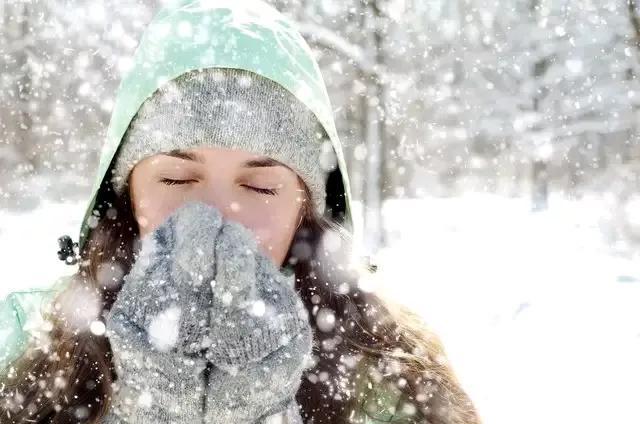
<point>145,400</point>
<point>98,328</point>
<point>325,319</point>
<point>163,329</point>
<point>257,308</point>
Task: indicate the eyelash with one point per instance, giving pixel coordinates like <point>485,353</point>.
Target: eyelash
<point>267,191</point>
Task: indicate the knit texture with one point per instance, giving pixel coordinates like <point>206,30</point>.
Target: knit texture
<point>261,338</point>
<point>206,327</point>
<point>253,305</point>
<point>233,109</point>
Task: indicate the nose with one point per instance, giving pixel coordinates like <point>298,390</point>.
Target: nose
<point>219,196</point>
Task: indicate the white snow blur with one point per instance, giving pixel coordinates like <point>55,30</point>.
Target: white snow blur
<point>164,329</point>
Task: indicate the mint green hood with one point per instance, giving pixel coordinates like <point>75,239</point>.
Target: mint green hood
<point>194,34</point>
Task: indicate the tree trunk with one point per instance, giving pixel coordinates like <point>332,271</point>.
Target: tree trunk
<point>539,185</point>
<point>635,20</point>
<point>23,140</point>
<point>375,180</point>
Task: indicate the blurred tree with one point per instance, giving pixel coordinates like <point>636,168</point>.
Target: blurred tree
<point>61,62</point>
<point>357,41</point>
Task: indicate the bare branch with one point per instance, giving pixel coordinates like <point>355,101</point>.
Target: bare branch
<point>322,36</point>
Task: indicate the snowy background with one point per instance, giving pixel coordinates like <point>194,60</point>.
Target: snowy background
<point>492,143</point>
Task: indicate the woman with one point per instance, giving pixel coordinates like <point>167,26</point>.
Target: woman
<point>214,280</point>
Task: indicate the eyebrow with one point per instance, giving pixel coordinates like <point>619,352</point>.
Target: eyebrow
<point>261,162</point>
<point>184,155</point>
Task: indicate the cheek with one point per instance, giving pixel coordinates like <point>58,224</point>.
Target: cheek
<point>151,211</point>
<point>274,235</point>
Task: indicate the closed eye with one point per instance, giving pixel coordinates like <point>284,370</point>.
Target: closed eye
<point>268,191</point>
<point>169,181</point>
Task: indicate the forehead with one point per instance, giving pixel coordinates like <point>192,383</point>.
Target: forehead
<point>244,158</point>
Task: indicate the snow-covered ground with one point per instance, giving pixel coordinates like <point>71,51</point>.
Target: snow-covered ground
<point>530,307</point>
<point>29,244</point>
<point>535,317</point>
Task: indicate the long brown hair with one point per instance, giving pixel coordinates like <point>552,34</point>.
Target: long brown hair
<point>361,341</point>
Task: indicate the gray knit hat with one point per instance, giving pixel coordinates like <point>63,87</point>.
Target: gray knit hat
<point>229,108</point>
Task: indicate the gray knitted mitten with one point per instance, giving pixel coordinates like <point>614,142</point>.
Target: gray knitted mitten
<point>159,322</point>
<point>261,339</point>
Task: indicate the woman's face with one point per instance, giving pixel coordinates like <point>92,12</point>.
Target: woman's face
<point>256,191</point>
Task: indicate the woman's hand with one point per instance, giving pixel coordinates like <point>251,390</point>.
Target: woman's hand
<point>159,323</point>
<point>261,339</point>
<point>201,291</point>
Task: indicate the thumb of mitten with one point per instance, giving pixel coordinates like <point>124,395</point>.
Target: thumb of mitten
<point>236,249</point>
<point>193,229</point>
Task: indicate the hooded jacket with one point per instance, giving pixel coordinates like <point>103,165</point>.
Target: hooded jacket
<point>186,35</point>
